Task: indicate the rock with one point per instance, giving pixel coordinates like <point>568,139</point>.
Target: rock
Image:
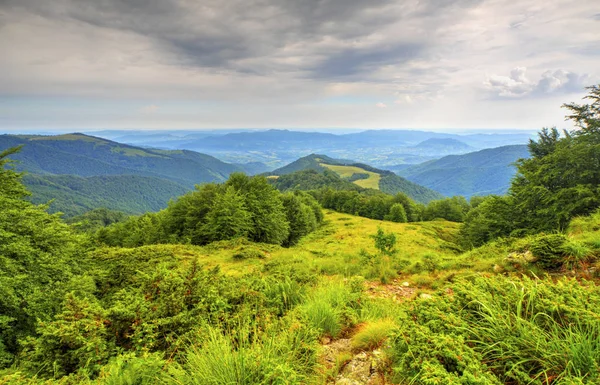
<point>405,284</point>
<point>425,296</point>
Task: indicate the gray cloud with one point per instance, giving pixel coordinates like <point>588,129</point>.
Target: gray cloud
<point>252,54</point>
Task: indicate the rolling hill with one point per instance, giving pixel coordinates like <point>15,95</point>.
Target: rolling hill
<point>477,173</point>
<point>80,172</point>
<point>361,175</point>
<point>74,195</point>
<point>83,155</point>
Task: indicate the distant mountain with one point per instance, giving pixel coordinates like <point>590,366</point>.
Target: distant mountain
<point>445,145</point>
<point>276,147</point>
<point>359,174</point>
<point>83,155</point>
<point>74,195</point>
<point>253,168</point>
<point>81,172</point>
<point>477,173</point>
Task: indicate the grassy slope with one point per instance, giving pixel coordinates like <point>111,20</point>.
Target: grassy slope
<point>347,171</point>
<point>334,248</point>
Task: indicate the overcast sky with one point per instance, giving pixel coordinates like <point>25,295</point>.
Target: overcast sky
<point>429,64</point>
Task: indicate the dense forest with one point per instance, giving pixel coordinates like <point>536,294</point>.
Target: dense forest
<point>241,283</point>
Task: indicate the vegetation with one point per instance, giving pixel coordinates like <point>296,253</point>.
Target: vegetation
<point>481,172</point>
<point>238,283</point>
<point>350,175</point>
<point>559,182</point>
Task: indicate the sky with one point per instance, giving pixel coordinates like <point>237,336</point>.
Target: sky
<point>192,64</point>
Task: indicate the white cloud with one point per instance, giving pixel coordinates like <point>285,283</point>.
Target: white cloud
<point>518,85</point>
<point>381,105</point>
<point>149,109</point>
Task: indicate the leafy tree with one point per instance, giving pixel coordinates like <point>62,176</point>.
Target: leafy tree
<point>300,216</point>
<point>452,209</point>
<point>490,219</point>
<point>397,213</point>
<point>263,201</point>
<point>228,217</point>
<point>384,242</point>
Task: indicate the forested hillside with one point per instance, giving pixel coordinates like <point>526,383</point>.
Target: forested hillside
<point>79,173</point>
<point>82,155</point>
<point>361,175</point>
<point>74,195</point>
<point>478,173</point>
<point>239,283</point>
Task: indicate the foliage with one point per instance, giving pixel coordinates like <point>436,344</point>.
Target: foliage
<point>243,207</point>
<point>38,262</point>
<point>452,209</point>
<point>384,242</point>
<point>502,330</point>
<point>397,213</point>
<point>559,182</point>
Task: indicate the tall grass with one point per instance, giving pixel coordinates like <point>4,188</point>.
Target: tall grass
<point>529,345</point>
<point>274,357</point>
<point>331,307</point>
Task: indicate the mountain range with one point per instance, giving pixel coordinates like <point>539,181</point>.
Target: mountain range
<point>80,172</point>
<point>276,147</point>
<point>477,173</point>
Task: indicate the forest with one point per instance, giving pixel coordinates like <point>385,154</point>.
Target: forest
<point>310,279</point>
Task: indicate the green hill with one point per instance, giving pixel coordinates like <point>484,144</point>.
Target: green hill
<point>361,175</point>
<point>84,155</point>
<point>477,173</point>
<point>74,195</point>
<point>80,172</point>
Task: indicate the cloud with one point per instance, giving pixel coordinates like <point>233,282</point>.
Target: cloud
<point>251,55</point>
<point>518,85</point>
<point>149,109</point>
<point>381,105</point>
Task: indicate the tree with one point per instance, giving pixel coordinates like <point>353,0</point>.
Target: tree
<point>300,216</point>
<point>384,242</point>
<point>39,261</point>
<point>562,178</point>
<point>263,202</point>
<point>228,217</point>
<point>397,213</point>
<point>491,219</point>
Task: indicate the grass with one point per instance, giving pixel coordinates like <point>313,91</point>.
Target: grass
<point>347,171</point>
<point>373,334</point>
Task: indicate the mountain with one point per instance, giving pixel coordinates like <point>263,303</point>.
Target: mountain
<point>359,174</point>
<point>83,155</point>
<point>81,172</point>
<point>477,173</point>
<point>445,145</point>
<point>73,195</point>
<point>276,147</point>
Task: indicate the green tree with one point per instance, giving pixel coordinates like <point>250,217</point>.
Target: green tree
<point>228,218</point>
<point>384,242</point>
<point>39,259</point>
<point>491,219</point>
<point>263,202</point>
<point>300,216</point>
<point>397,213</point>
<point>562,178</point>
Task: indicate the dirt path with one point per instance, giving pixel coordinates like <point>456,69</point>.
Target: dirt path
<point>348,367</point>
